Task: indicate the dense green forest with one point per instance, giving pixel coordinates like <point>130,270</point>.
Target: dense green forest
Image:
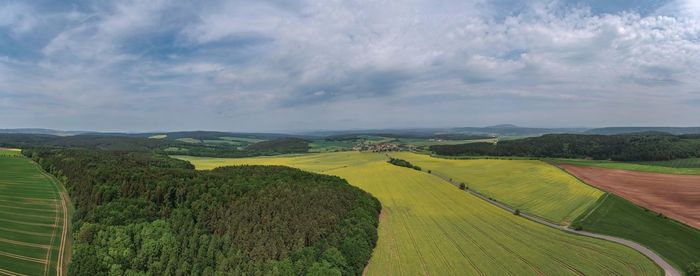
<point>142,213</point>
<point>628,147</point>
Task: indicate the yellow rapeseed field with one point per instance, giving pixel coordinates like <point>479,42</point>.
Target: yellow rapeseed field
<point>529,185</point>
<point>429,227</point>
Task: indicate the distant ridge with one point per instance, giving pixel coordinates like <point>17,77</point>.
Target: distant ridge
<point>624,130</point>
<point>508,129</point>
<point>43,131</point>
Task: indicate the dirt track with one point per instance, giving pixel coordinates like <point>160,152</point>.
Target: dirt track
<point>676,196</point>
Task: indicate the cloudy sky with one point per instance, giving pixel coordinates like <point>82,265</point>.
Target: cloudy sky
<point>283,65</point>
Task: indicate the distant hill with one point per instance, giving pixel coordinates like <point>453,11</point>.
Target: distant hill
<point>513,130</point>
<point>623,130</point>
<point>43,131</point>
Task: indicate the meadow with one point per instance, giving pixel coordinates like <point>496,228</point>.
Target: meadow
<point>31,218</point>
<point>678,166</point>
<point>679,244</point>
<point>430,227</point>
<point>528,185</point>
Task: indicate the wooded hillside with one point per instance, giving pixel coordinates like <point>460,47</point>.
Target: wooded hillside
<point>137,212</point>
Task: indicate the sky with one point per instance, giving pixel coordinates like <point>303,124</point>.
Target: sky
<point>304,65</point>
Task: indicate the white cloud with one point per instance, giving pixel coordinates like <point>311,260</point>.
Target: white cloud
<point>242,59</point>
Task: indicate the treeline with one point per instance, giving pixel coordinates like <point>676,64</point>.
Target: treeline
<point>403,163</point>
<point>271,147</point>
<point>161,146</point>
<point>141,213</point>
<point>629,147</point>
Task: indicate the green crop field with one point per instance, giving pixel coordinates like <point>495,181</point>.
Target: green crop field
<point>680,166</point>
<point>529,185</point>
<point>678,243</point>
<point>430,142</point>
<point>429,227</point>
<point>677,163</point>
<point>31,218</point>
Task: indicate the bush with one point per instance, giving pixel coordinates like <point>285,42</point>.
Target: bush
<point>516,212</point>
<point>462,186</point>
<point>693,269</point>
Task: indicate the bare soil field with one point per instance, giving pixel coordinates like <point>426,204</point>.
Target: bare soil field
<point>675,196</point>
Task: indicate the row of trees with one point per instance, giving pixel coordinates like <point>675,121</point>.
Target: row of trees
<point>631,147</point>
<point>138,213</point>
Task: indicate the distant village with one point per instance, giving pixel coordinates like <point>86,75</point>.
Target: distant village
<point>379,147</point>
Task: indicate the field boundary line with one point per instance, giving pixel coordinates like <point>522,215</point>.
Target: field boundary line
<point>600,203</point>
<point>28,223</point>
<point>30,198</point>
<point>10,273</point>
<point>668,269</point>
<point>20,257</point>
<point>25,232</point>
<point>64,228</point>
<point>26,203</point>
<point>28,209</point>
<point>53,235</point>
<point>29,244</point>
<point>29,216</point>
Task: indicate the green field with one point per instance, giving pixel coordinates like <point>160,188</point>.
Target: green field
<point>242,139</point>
<point>677,163</point>
<point>654,167</point>
<point>529,185</point>
<point>431,142</point>
<point>330,146</point>
<point>189,140</point>
<point>31,218</point>
<point>679,244</point>
<point>429,227</point>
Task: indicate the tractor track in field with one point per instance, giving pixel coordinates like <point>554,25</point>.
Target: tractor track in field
<point>669,270</point>
<point>24,258</point>
<point>64,227</point>
<point>28,244</point>
<point>10,273</point>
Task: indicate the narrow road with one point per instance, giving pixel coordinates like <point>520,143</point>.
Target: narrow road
<point>669,270</point>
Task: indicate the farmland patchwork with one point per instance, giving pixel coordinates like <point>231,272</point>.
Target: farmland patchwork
<point>429,227</point>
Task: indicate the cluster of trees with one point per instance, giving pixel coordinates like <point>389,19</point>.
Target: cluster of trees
<point>403,163</point>
<point>630,147</point>
<point>142,213</point>
<point>271,147</point>
<point>693,269</point>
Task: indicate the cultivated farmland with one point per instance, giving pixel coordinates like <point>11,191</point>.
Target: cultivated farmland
<point>529,185</point>
<point>33,219</point>
<point>678,243</point>
<point>678,166</point>
<point>429,227</point>
<point>676,196</point>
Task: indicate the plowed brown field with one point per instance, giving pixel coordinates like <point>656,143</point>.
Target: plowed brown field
<point>676,196</point>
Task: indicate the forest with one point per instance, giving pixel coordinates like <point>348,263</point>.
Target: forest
<point>122,142</point>
<point>625,147</point>
<point>143,213</point>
